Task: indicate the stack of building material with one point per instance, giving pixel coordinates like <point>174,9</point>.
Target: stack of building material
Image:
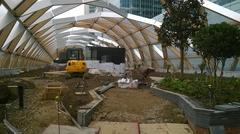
<point>127,83</point>
<point>109,67</point>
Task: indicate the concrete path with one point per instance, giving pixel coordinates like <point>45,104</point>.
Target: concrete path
<point>103,127</point>
<point>116,127</point>
<point>165,128</point>
<point>135,128</point>
<point>53,129</point>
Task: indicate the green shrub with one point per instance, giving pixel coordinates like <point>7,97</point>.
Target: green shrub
<point>227,90</point>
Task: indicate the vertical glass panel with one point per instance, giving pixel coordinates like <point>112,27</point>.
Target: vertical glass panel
<point>145,8</point>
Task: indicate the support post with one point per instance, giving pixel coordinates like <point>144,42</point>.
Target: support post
<point>20,95</point>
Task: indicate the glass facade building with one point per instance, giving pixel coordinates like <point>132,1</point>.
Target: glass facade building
<point>145,8</point>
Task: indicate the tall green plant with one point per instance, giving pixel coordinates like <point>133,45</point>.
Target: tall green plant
<point>202,66</point>
<point>216,43</point>
<point>182,19</point>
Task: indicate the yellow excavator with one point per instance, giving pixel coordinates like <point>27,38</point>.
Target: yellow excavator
<point>76,65</point>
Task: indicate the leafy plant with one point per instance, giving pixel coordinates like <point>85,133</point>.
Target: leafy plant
<point>216,43</point>
<point>168,67</point>
<point>182,19</point>
<point>202,67</point>
<point>227,91</point>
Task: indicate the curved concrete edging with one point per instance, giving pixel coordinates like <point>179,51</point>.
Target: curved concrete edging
<point>84,113</point>
<point>198,115</point>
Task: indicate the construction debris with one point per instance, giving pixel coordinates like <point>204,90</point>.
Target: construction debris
<point>104,88</point>
<point>127,83</point>
<point>94,71</point>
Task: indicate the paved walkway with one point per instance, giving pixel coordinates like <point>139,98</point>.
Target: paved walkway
<point>135,128</point>
<point>103,127</point>
<point>53,129</point>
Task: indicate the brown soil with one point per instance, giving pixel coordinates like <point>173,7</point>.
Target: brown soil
<point>38,113</point>
<point>131,105</point>
<point>3,129</point>
<point>71,101</point>
<point>137,105</point>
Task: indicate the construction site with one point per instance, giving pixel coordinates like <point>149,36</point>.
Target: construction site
<point>108,67</point>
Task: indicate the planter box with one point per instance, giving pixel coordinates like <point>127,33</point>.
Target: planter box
<point>201,119</point>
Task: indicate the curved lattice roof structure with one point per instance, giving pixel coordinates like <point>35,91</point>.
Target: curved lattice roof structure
<point>31,33</point>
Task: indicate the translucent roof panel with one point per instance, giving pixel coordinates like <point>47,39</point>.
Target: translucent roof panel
<point>130,42</point>
<point>121,32</point>
<point>114,2</point>
<point>77,11</point>
<point>228,64</point>
<point>175,62</point>
<point>214,18</point>
<point>23,18</point>
<point>17,29</point>
<point>13,3</point>
<point>5,17</point>
<point>171,53</point>
<point>195,62</point>
<point>3,11</point>
<point>108,40</point>
<point>128,26</point>
<point>226,3</point>
<point>104,22</point>
<point>160,64</point>
<point>139,39</point>
<point>191,53</point>
<point>238,67</point>
<point>136,52</point>
<point>73,29</point>
<point>146,53</point>
<point>52,8</point>
<point>228,10</point>
<point>158,50</point>
<point>113,35</point>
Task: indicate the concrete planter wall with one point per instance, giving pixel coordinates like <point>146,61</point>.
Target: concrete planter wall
<point>84,114</point>
<point>9,72</point>
<point>200,117</point>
